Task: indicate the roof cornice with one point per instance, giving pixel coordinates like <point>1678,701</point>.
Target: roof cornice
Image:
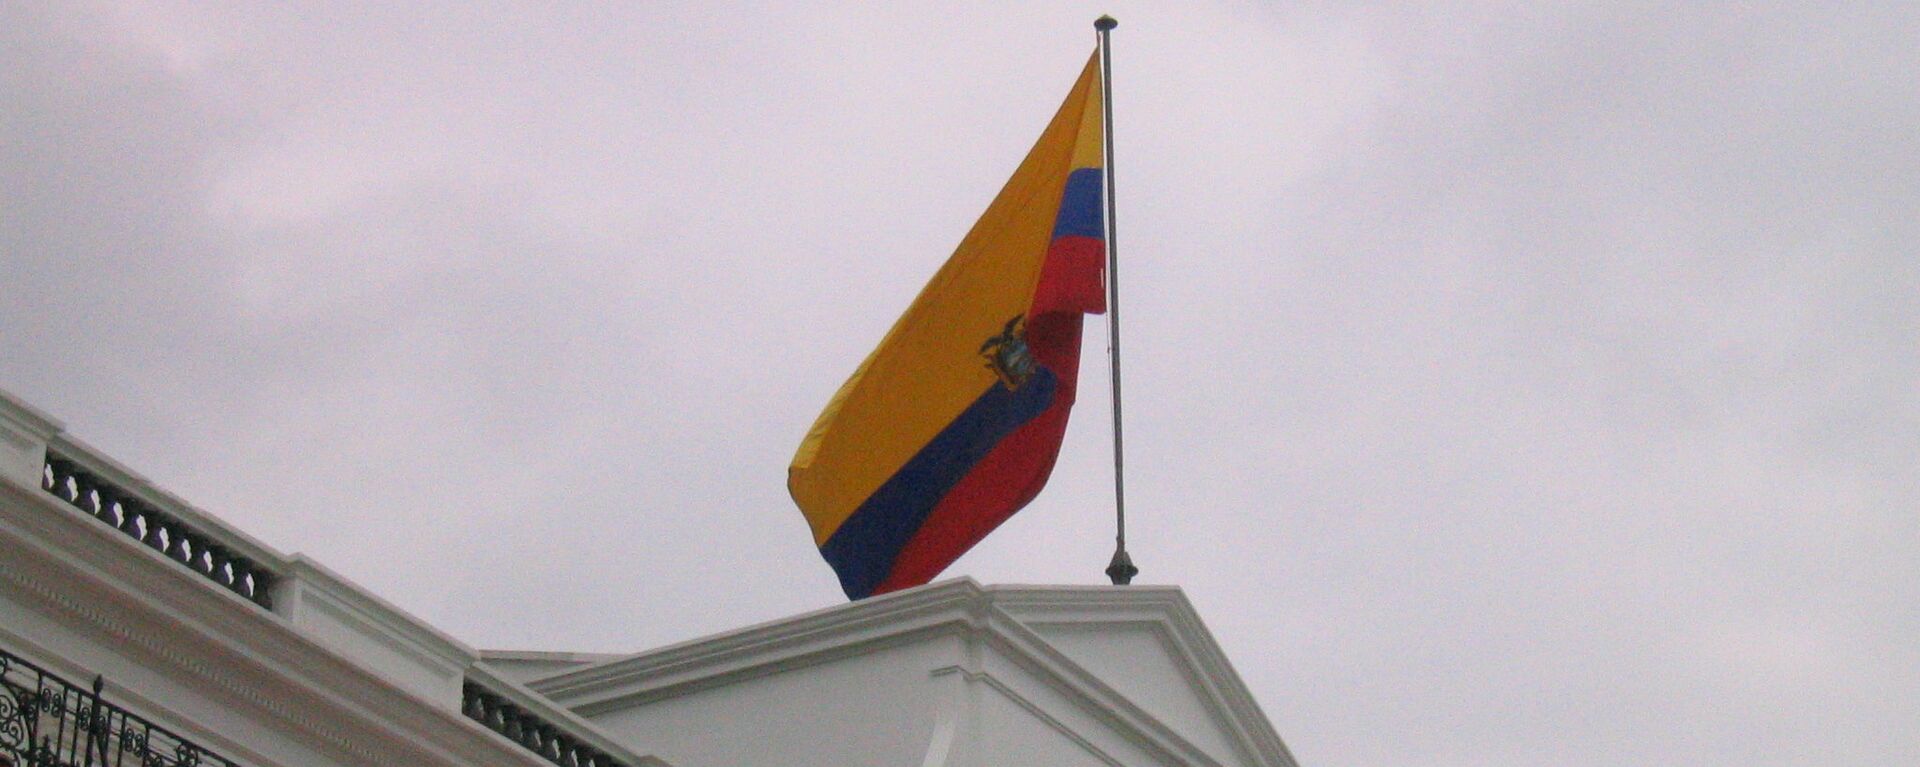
<point>997,615</point>
<point>802,640</point>
<point>1174,621</point>
<point>100,581</point>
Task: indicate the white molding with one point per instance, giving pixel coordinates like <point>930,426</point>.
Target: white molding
<point>24,432</point>
<point>799,641</point>
<point>523,665</point>
<point>548,656</point>
<point>132,698</point>
<point>133,483</point>
<point>322,604</point>
<point>1028,649</point>
<point>552,713</point>
<point>1033,709</point>
<point>1179,628</point>
<point>342,673</point>
<point>993,616</point>
<point>176,623</point>
<point>954,725</point>
<point>403,629</point>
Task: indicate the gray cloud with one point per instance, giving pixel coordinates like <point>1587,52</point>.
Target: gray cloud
<point>1506,385</point>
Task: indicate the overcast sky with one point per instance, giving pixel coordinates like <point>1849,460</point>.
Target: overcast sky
<point>1507,385</point>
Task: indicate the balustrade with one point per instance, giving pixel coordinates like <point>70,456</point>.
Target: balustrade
<point>70,481</point>
<point>521,726</point>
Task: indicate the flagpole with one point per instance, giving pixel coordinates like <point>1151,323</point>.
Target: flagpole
<point>1120,569</point>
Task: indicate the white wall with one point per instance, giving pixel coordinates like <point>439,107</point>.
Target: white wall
<point>876,708</point>
<point>195,711</point>
<point>946,675</point>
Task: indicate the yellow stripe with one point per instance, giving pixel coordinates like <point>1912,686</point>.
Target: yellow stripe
<point>928,367</point>
<point>1089,146</point>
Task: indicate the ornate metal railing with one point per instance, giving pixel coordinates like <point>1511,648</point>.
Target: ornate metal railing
<point>47,721</point>
<point>70,481</point>
<point>524,727</point>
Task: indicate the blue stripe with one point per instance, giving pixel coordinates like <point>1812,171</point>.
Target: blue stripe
<point>1080,207</point>
<point>863,550</point>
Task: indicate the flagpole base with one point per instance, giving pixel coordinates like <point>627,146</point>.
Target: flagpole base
<point>1121,569</point>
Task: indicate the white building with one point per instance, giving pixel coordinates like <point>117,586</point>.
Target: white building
<point>214,649</point>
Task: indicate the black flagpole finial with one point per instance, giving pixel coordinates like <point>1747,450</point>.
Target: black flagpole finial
<point>1121,569</point>
<point>1105,23</point>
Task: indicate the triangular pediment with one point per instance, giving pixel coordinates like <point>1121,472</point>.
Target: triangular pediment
<point>1119,675</point>
<point>1136,660</point>
<point>1148,647</point>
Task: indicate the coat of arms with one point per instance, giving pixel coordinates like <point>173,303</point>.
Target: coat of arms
<point>1007,354</point>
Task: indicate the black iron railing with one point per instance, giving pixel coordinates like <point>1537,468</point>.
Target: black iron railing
<point>47,721</point>
<point>71,482</point>
<point>523,727</point>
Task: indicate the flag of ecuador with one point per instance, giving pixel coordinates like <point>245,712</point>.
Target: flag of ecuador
<point>953,423</point>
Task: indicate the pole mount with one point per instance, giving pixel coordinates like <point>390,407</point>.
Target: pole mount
<point>1121,569</point>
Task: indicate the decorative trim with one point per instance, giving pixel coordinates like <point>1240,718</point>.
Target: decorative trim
<point>121,506</point>
<point>528,729</point>
<point>984,678</point>
<point>16,413</point>
<point>1180,629</point>
<point>799,641</point>
<point>84,725</point>
<point>545,656</point>
<point>1054,669</point>
<point>102,583</point>
<point>994,616</point>
<point>164,654</point>
<point>314,595</point>
<point>499,703</point>
<point>119,475</point>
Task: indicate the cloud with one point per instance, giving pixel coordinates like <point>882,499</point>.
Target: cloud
<point>1505,384</point>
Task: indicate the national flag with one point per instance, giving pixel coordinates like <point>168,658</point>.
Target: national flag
<point>953,423</point>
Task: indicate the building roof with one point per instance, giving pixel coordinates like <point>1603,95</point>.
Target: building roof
<point>270,658</point>
<point>1137,659</point>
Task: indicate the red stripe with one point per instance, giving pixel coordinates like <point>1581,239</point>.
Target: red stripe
<point>1070,279</point>
<point>1000,484</point>
<point>1011,474</point>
